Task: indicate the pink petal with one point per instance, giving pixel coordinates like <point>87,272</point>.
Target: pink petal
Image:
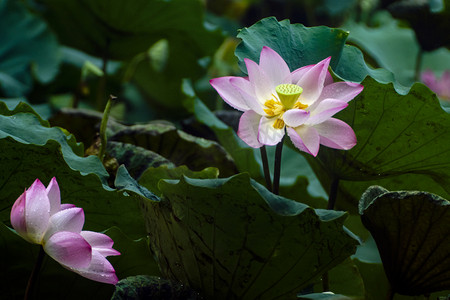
<point>429,79</point>
<point>37,211</point>
<point>229,93</point>
<point>295,117</point>
<point>267,134</point>
<point>100,269</point>
<point>336,134</point>
<point>248,128</point>
<point>66,206</point>
<point>261,82</point>
<point>246,90</point>
<point>344,91</point>
<point>69,249</point>
<point>18,217</point>
<point>274,66</point>
<point>100,242</point>
<point>325,110</point>
<point>305,138</point>
<point>71,219</point>
<point>54,196</point>
<point>300,72</point>
<point>313,81</point>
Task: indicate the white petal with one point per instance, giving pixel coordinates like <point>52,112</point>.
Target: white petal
<point>267,134</point>
<point>295,117</point>
<point>248,128</point>
<point>305,138</point>
<point>336,134</point>
<point>274,66</point>
<point>229,93</point>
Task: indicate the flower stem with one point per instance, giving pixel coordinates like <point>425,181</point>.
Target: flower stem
<point>103,125</point>
<point>277,167</point>
<point>265,163</point>
<point>332,196</point>
<point>390,295</point>
<point>34,274</point>
<point>418,68</point>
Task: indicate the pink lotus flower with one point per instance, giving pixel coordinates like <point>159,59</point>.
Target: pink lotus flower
<point>440,86</point>
<point>39,217</point>
<point>275,100</point>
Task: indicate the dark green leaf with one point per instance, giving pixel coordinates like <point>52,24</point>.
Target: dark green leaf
<point>274,248</point>
<point>402,141</point>
<point>178,147</point>
<point>300,46</point>
<point>135,158</point>
<point>412,233</point>
<point>152,176</point>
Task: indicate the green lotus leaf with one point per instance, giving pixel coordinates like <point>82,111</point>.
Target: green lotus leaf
<point>29,128</point>
<point>178,147</point>
<point>135,158</point>
<point>28,49</point>
<point>233,239</point>
<point>412,233</point>
<point>402,142</point>
<point>83,123</point>
<point>299,46</point>
<point>153,175</point>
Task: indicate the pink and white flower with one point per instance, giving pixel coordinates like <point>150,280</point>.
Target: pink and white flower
<point>39,217</point>
<point>275,100</point>
<point>441,86</point>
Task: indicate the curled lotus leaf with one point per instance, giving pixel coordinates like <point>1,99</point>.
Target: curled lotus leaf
<point>412,233</point>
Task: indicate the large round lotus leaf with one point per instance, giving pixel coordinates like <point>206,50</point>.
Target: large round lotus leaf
<point>28,48</point>
<point>412,232</point>
<point>299,46</point>
<point>402,143</point>
<point>232,239</point>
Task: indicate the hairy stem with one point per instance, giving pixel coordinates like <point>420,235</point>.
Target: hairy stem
<point>418,64</point>
<point>34,274</point>
<point>277,167</point>
<point>265,163</point>
<point>332,196</point>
